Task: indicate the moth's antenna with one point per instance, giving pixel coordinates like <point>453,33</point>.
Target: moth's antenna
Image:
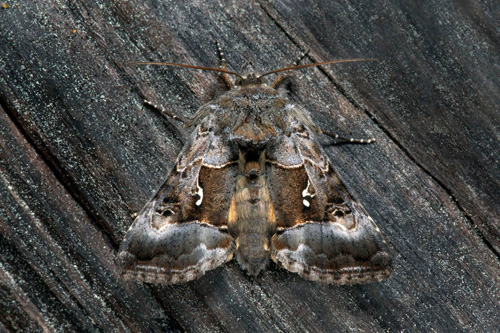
<point>220,70</point>
<point>316,64</point>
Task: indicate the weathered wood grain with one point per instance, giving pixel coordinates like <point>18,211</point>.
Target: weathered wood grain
<point>80,153</point>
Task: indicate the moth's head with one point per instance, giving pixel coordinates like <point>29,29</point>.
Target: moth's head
<point>248,77</point>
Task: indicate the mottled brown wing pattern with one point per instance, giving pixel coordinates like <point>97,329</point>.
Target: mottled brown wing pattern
<point>323,234</point>
<point>253,181</point>
<point>180,234</point>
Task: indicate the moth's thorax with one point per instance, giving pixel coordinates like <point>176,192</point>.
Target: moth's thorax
<point>254,114</point>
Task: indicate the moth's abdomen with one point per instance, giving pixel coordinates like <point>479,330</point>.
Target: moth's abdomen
<point>252,252</point>
<point>251,217</point>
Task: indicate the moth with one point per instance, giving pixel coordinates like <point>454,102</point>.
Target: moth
<point>253,182</point>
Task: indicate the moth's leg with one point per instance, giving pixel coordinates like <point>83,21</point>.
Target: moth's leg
<point>348,140</point>
<point>280,77</point>
<point>224,76</point>
<point>165,113</point>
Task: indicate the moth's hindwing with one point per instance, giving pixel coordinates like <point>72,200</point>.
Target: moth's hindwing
<point>181,233</point>
<point>322,234</point>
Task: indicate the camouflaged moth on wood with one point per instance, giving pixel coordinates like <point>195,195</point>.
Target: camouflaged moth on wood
<point>252,181</point>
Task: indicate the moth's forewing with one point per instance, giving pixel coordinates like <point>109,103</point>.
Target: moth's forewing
<point>180,233</point>
<point>322,233</point>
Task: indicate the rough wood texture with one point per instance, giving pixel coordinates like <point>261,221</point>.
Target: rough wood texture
<point>80,153</point>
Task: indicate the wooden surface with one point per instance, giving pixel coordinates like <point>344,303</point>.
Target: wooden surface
<point>80,153</point>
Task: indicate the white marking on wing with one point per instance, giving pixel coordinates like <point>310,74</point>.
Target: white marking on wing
<point>200,193</point>
<point>306,194</point>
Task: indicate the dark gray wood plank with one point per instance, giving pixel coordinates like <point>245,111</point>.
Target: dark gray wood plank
<point>80,153</point>
<point>56,271</point>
